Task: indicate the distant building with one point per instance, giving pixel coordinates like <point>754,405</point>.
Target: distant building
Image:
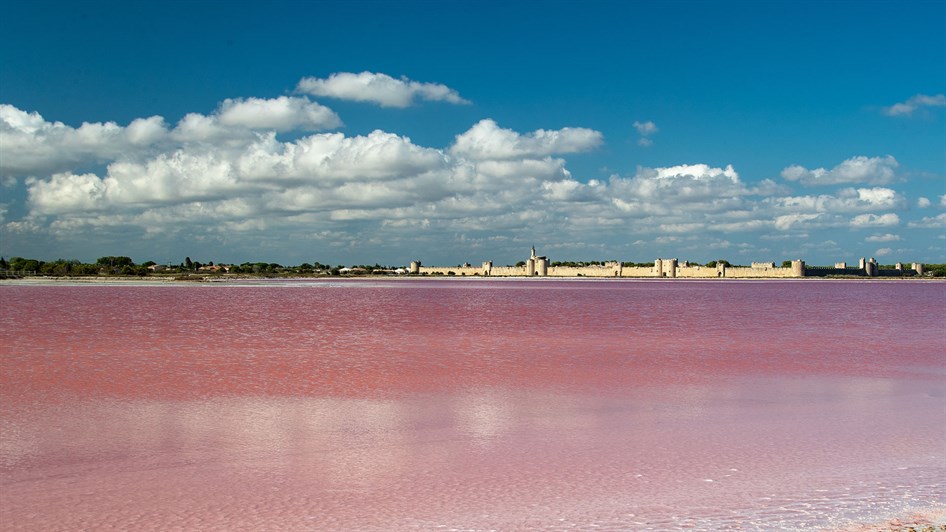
<point>537,265</point>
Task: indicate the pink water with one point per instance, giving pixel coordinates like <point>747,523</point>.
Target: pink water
<point>472,405</point>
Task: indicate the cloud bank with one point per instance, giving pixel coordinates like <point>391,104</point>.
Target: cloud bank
<point>256,172</point>
<point>861,169</point>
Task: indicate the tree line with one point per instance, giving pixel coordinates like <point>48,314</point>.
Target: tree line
<point>125,266</point>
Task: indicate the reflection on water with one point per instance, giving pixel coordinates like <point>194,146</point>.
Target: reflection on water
<point>450,416</point>
<point>793,453</point>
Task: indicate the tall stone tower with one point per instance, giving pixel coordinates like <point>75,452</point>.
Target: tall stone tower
<point>537,265</point>
<point>798,268</point>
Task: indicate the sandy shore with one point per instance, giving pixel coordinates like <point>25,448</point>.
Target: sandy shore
<point>927,520</point>
<point>90,280</point>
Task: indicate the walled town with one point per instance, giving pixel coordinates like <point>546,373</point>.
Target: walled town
<point>539,266</point>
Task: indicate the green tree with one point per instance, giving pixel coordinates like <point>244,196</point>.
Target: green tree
<point>20,264</point>
<point>115,262</point>
<point>935,270</point>
<point>85,269</point>
<point>60,267</point>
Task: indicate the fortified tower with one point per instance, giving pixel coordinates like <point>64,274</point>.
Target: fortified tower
<point>537,265</point>
<point>798,268</point>
<point>665,267</point>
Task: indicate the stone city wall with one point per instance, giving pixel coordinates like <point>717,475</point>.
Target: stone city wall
<point>508,271</point>
<point>452,270</point>
<point>669,269</point>
<point>698,272</point>
<point>760,273</point>
<point>638,271</point>
<point>613,271</point>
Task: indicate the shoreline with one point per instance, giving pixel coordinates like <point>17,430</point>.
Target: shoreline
<point>929,519</point>
<point>242,279</point>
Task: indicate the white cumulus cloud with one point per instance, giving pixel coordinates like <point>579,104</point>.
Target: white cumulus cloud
<point>888,237</point>
<point>487,141</point>
<point>318,163</point>
<point>930,222</point>
<point>875,220</point>
<point>790,221</point>
<point>32,145</point>
<point>67,192</point>
<point>679,191</point>
<point>923,203</point>
<point>278,114</point>
<point>146,131</point>
<point>230,175</point>
<point>856,170</point>
<point>699,172</point>
<point>918,101</point>
<point>645,130</point>
<point>377,88</point>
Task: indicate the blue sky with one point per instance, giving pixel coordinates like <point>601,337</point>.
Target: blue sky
<point>356,132</point>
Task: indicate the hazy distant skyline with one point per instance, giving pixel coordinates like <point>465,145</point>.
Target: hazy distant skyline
<point>365,132</point>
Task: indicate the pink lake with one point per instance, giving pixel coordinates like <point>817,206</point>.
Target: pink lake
<point>472,405</point>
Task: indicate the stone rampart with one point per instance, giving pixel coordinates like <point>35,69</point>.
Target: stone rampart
<point>585,271</point>
<point>699,272</point>
<point>825,271</point>
<point>896,273</point>
<point>667,269</point>
<point>637,271</point>
<point>509,271</point>
<point>760,273</point>
<point>460,271</point>
<point>617,271</point>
